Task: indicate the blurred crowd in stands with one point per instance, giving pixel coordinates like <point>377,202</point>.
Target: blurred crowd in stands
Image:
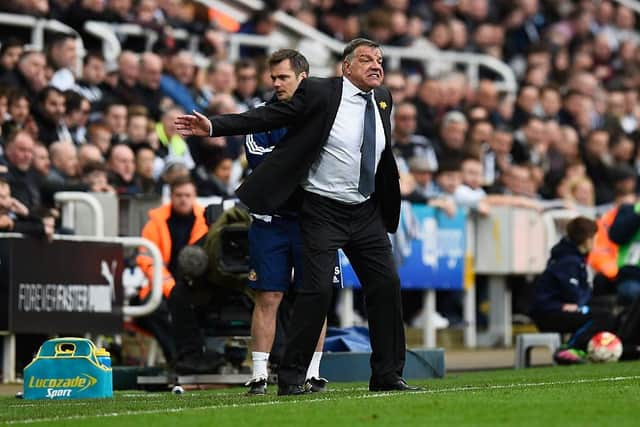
<point>569,135</point>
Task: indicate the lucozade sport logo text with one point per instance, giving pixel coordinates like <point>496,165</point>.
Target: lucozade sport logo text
<point>60,387</point>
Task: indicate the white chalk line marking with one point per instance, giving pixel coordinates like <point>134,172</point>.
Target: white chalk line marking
<point>328,397</point>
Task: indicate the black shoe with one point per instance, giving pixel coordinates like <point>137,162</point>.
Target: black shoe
<point>194,364</point>
<point>291,390</point>
<point>257,386</point>
<point>316,385</point>
<point>398,385</point>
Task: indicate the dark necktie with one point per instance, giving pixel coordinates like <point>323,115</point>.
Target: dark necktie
<point>366,185</point>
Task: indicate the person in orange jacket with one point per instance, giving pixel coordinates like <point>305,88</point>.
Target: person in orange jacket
<point>604,257</point>
<point>171,227</point>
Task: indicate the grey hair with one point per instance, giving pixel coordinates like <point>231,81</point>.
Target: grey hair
<point>347,53</point>
<point>454,117</point>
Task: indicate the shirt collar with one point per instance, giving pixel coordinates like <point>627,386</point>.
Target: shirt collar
<point>349,89</point>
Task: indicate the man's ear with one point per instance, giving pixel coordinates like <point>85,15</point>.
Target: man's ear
<point>346,67</point>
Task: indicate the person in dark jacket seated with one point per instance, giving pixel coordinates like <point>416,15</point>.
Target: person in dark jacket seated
<point>563,294</point>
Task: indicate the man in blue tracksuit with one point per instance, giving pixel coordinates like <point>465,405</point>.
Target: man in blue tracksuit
<point>275,246</point>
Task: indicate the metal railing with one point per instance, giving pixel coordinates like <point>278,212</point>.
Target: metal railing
<point>38,27</point>
<point>68,199</point>
<point>631,4</point>
<point>297,31</point>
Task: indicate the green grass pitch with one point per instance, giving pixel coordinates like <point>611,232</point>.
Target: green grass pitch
<point>589,395</point>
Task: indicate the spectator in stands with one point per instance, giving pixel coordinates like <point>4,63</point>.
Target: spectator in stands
<point>563,151</point>
<point>517,180</point>
<point>563,294</point>
<point>115,118</point>
<point>220,79</point>
<point>171,227</point>
<point>88,153</point>
<point>448,178</point>
<point>41,162</point>
<point>92,85</point>
<point>261,23</point>
<point>246,93</point>
<point>49,115</point>
<point>28,75</point>
<point>148,88</point>
<point>429,104</point>
<point>4,108</point>
<point>128,74</point>
<point>212,178</point>
<point>18,154</point>
<point>529,142</point>
<point>145,169</point>
<point>487,96</point>
<point>527,104</point>
<point>121,10</point>
<point>454,91</point>
<point>597,159</point>
<point>419,187</point>
<point>172,145</point>
<point>10,52</point>
<point>580,193</point>
<point>405,142</point>
<point>95,176</point>
<point>64,162</point>
<point>178,84</point>
<point>172,170</point>
<point>622,150</point>
<point>397,84</point>
<point>550,103</point>
<point>76,117</point>
<point>19,112</point>
<point>471,194</point>
<point>480,132</point>
<point>100,135</point>
<point>121,165</point>
<point>138,125</point>
<point>62,57</point>
<point>452,136</point>
<point>496,155</point>
<point>14,216</point>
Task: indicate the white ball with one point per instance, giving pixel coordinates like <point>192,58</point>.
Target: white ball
<point>177,390</point>
<point>604,347</point>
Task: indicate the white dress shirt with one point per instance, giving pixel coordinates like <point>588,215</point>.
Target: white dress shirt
<point>336,172</point>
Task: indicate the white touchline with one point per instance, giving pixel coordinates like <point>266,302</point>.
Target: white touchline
<point>324,399</point>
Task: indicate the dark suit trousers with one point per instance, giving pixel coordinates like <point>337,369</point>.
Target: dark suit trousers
<point>327,225</point>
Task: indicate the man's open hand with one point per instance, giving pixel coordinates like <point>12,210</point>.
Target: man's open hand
<point>194,124</point>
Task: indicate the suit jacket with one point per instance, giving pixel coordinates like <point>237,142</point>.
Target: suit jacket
<point>309,117</point>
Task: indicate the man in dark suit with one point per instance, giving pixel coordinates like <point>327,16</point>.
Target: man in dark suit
<point>336,162</point>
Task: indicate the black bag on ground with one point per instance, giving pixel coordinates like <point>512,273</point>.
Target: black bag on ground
<point>629,331</point>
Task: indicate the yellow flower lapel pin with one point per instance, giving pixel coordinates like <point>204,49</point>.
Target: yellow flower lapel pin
<point>382,105</point>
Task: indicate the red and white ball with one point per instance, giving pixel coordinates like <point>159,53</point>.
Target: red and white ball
<point>604,347</point>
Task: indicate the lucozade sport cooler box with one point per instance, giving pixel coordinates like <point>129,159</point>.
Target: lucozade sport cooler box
<point>68,368</point>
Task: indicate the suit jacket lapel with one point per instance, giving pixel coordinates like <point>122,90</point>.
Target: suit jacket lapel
<point>334,103</point>
<point>384,108</point>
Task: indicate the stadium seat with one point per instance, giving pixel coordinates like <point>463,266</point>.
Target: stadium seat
<point>525,342</point>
